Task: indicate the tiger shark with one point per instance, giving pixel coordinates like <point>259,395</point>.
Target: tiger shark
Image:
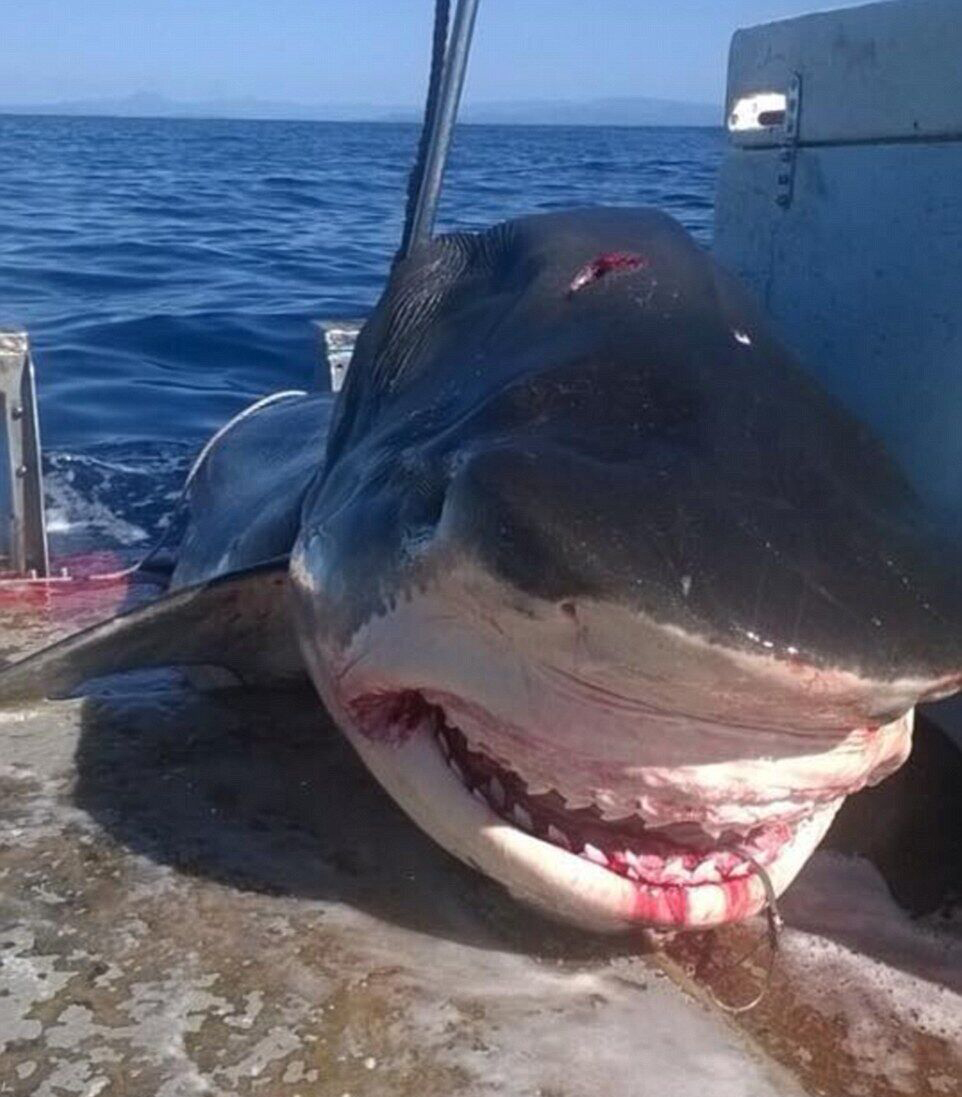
<point>610,596</point>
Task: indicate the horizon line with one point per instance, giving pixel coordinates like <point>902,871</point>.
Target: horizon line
<point>32,111</point>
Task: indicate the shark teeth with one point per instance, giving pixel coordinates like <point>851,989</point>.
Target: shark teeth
<point>613,807</point>
<point>706,873</point>
<point>592,853</point>
<point>645,855</point>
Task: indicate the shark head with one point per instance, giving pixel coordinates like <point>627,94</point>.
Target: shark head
<point>609,595</point>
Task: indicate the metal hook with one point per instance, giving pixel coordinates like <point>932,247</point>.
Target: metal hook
<point>775,925</point>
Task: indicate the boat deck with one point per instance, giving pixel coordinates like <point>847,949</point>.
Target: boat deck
<point>207,893</point>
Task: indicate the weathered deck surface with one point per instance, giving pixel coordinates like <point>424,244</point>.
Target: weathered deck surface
<point>206,894</point>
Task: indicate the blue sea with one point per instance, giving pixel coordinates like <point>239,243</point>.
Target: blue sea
<point>168,270</point>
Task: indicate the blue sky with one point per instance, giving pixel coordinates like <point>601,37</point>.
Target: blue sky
<point>371,51</point>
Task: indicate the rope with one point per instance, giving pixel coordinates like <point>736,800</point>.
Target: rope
<point>229,425</point>
<point>439,49</point>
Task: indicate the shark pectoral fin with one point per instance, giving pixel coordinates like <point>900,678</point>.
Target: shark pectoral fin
<point>240,621</point>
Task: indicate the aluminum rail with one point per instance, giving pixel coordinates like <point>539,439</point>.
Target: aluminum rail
<point>23,537</point>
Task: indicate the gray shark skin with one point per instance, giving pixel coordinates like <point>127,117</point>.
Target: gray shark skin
<point>588,535</point>
<point>246,490</point>
<point>612,599</point>
<point>610,441</point>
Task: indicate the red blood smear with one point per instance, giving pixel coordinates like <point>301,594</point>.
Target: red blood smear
<point>668,905</point>
<point>677,902</point>
<point>96,586</point>
<point>609,263</point>
<point>660,906</point>
<point>742,898</point>
<point>390,717</point>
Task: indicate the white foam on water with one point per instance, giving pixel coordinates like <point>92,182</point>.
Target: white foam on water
<point>68,512</point>
<point>112,496</point>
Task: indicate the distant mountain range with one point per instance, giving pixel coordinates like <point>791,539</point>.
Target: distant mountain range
<point>624,111</point>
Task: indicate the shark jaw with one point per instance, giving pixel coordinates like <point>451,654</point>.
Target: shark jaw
<point>573,864</point>
<point>512,748</point>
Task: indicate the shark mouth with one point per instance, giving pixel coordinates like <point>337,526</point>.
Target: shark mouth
<point>571,861</point>
<point>679,855</point>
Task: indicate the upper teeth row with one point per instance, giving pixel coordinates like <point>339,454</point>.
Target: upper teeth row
<point>493,794</point>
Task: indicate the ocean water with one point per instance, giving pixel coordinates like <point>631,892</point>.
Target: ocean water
<point>168,270</point>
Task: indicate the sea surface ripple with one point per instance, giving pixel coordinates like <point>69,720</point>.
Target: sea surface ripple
<point>168,270</point>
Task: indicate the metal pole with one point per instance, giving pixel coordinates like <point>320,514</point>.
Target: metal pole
<point>23,535</point>
<point>449,97</point>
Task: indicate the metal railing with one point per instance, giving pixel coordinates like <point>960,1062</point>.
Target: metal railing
<point>23,534</point>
